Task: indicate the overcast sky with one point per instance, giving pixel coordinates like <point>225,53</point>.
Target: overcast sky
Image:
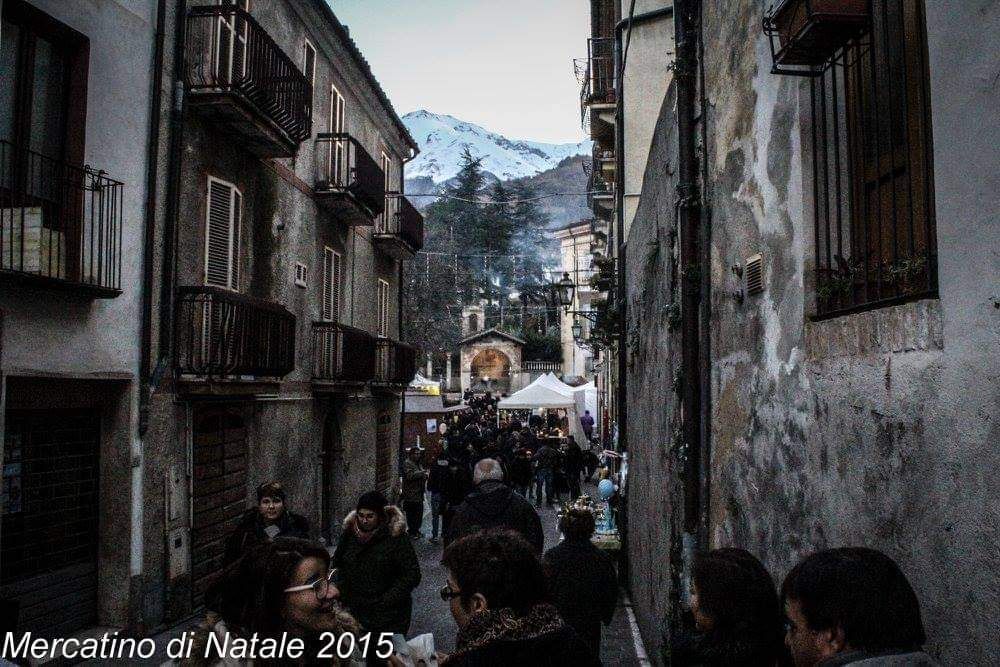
<point>504,64</point>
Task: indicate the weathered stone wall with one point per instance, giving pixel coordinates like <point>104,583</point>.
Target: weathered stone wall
<point>876,429</point>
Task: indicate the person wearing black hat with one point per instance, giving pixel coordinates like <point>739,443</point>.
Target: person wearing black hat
<point>263,523</point>
<point>378,568</point>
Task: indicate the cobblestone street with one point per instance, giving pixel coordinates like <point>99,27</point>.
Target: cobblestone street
<point>431,614</point>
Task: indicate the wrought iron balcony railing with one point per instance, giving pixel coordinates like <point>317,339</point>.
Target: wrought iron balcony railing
<point>348,180</point>
<point>60,224</point>
<point>400,228</point>
<point>342,354</point>
<point>598,74</point>
<point>395,362</point>
<point>236,72</point>
<point>226,334</point>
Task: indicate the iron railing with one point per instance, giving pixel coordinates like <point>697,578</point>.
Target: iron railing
<point>342,353</point>
<point>395,362</point>
<point>402,219</point>
<point>227,51</point>
<point>871,167</point>
<point>222,333</point>
<point>344,166</point>
<point>598,75</point>
<point>543,366</point>
<point>59,222</point>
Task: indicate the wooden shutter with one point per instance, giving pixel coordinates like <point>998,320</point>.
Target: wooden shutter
<point>332,272</point>
<point>383,308</point>
<point>222,245</point>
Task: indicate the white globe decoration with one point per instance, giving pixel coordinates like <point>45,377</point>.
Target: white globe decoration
<point>605,489</point>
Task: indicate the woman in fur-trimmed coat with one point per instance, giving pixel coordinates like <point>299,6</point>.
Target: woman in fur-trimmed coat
<point>378,568</point>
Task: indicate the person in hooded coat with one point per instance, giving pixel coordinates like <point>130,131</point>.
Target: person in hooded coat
<point>378,568</point>
<point>493,504</point>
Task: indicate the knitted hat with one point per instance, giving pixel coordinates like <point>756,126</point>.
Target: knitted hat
<point>374,501</point>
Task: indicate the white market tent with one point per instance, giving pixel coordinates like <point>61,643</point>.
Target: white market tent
<point>550,392</point>
<point>422,384</point>
<point>585,395</point>
<point>536,395</point>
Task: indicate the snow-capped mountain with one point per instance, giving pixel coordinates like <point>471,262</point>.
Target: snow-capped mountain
<point>442,140</point>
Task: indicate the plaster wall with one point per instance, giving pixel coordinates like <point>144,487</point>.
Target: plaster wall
<point>575,259</point>
<point>874,429</point>
<point>647,75</point>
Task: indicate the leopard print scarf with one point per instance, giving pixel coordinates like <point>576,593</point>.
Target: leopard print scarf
<point>488,626</point>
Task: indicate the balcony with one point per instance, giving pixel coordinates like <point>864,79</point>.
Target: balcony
<point>238,77</point>
<point>227,342</point>
<point>399,231</point>
<point>603,163</point>
<point>598,94</point>
<point>395,363</point>
<point>60,225</point>
<point>348,183</point>
<point>600,197</point>
<point>342,356</point>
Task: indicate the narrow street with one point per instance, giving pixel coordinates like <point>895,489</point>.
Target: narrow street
<point>430,613</point>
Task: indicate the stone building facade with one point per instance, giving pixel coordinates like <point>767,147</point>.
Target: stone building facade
<point>279,357</point>
<point>575,241</point>
<point>491,360</point>
<point>830,417</point>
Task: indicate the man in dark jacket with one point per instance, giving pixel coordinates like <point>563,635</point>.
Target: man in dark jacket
<point>573,464</point>
<point>496,594</point>
<point>414,482</point>
<point>378,567</point>
<point>270,519</point>
<point>454,484</point>
<point>581,578</point>
<point>546,459</point>
<point>492,504</point>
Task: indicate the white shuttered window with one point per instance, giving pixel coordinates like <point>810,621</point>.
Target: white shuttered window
<point>224,210</point>
<point>383,308</point>
<point>332,275</point>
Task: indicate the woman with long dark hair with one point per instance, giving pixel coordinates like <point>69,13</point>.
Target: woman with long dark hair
<point>735,616</point>
<point>283,586</point>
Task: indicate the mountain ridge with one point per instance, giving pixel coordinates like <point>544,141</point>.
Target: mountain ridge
<point>444,138</point>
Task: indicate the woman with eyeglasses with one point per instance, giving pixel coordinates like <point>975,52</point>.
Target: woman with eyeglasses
<point>496,592</point>
<point>283,586</point>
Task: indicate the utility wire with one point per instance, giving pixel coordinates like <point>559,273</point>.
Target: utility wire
<point>508,201</point>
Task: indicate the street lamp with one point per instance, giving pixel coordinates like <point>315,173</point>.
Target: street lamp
<point>577,330</point>
<point>564,289</point>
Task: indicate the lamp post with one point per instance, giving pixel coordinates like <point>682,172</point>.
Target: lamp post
<point>577,329</point>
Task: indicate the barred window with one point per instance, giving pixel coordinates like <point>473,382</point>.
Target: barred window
<point>872,167</point>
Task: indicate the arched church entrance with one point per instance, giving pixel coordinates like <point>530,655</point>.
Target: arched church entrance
<point>490,371</point>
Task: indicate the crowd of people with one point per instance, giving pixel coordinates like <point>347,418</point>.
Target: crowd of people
<point>515,602</point>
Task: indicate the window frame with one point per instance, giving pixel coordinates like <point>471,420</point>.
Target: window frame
<point>872,168</point>
<point>332,281</point>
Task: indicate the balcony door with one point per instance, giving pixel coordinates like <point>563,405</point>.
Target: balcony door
<point>224,210</point>
<point>337,166</point>
<point>385,220</point>
<point>43,102</point>
<point>229,56</point>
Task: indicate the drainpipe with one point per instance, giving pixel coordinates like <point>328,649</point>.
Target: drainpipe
<point>175,156</point>
<point>149,242</point>
<point>399,320</point>
<point>705,455</point>
<point>689,221</point>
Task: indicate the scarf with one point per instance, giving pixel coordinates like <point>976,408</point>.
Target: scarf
<point>362,536</point>
<point>488,626</point>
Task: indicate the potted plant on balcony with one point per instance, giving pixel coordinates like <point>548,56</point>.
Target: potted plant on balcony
<point>808,32</point>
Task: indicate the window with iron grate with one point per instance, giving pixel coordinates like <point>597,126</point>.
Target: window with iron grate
<point>872,167</point>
